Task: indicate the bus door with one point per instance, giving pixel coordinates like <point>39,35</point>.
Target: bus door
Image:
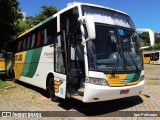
<point>60,66</point>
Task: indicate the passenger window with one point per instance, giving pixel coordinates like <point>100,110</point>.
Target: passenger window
<point>33,40</point>
<point>28,45</point>
<point>20,46</point>
<point>44,36</point>
<point>24,44</point>
<point>38,39</point>
<point>50,39</point>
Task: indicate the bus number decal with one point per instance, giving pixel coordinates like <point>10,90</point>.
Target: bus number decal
<point>114,77</point>
<point>18,57</point>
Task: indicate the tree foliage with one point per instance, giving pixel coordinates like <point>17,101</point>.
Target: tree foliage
<point>144,38</point>
<point>9,15</point>
<point>46,12</point>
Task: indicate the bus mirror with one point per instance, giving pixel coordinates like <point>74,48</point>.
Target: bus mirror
<point>151,36</point>
<point>90,25</point>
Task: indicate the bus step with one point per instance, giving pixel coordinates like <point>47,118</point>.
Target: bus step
<point>78,97</point>
<point>81,91</point>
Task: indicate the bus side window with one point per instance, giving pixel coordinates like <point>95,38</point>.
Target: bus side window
<point>20,46</point>
<point>24,44</point>
<point>28,43</point>
<point>38,39</point>
<point>44,36</point>
<point>33,40</point>
<point>50,39</point>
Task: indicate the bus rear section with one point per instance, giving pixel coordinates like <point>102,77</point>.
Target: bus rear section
<point>155,57</point>
<point>5,63</point>
<point>147,58</point>
<point>2,64</point>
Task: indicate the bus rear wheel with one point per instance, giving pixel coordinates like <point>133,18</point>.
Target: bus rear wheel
<point>51,90</point>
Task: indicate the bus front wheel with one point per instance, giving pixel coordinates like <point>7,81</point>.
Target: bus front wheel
<point>51,90</point>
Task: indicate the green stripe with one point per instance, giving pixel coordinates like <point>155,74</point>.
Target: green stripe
<point>27,62</point>
<point>31,62</point>
<point>132,77</point>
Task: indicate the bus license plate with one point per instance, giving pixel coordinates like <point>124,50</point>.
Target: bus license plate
<point>124,91</point>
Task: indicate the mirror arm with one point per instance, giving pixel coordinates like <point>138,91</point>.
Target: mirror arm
<point>145,47</point>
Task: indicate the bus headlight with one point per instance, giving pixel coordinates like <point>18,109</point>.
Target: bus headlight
<point>97,81</point>
<point>141,78</point>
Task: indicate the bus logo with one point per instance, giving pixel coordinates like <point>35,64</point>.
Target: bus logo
<point>56,86</point>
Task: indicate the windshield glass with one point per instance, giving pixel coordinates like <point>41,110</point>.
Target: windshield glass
<point>114,50</point>
<point>131,46</point>
<point>108,16</point>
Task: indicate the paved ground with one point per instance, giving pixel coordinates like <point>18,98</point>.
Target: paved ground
<point>28,98</point>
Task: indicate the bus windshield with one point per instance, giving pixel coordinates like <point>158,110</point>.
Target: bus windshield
<point>115,49</point>
<point>155,56</point>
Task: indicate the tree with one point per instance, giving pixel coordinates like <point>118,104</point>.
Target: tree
<point>46,12</point>
<point>144,38</point>
<point>9,15</point>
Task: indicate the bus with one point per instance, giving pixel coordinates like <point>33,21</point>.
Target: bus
<point>86,52</point>
<point>2,64</point>
<point>155,57</point>
<point>147,58</point>
<point>5,63</point>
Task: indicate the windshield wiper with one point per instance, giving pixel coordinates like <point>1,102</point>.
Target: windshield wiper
<point>115,63</point>
<point>134,63</point>
<point>137,69</point>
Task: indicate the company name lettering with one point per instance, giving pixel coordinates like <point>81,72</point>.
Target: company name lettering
<point>48,54</point>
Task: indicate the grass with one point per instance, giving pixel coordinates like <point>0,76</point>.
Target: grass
<point>3,84</point>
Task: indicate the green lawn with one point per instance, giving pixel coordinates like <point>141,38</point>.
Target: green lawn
<point>3,84</point>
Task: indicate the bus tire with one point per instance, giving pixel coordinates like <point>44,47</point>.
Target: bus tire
<point>52,91</point>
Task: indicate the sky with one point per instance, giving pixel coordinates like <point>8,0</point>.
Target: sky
<point>144,13</point>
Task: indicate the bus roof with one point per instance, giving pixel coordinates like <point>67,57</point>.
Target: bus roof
<point>69,6</point>
<point>88,4</point>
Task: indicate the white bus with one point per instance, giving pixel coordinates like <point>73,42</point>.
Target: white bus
<point>155,57</point>
<point>87,52</point>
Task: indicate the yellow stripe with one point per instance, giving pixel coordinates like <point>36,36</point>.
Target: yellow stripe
<point>19,63</point>
<point>146,60</point>
<point>2,59</point>
<point>81,90</point>
<point>2,63</point>
<point>25,32</point>
<point>77,97</point>
<point>117,80</point>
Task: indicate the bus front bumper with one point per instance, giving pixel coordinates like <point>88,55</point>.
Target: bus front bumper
<point>96,93</point>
